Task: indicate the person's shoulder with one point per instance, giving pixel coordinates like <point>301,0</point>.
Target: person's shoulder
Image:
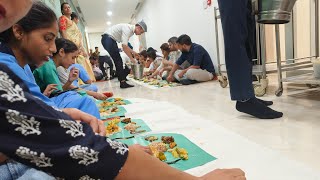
<point>7,58</point>
<point>63,17</point>
<point>61,69</point>
<point>198,47</point>
<point>46,66</point>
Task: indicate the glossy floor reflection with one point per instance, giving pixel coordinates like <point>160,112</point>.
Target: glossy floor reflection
<point>296,135</point>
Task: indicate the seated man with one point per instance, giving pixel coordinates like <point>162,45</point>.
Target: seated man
<point>200,68</point>
<point>173,57</point>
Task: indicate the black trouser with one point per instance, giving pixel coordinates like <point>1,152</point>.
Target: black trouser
<point>102,61</point>
<point>111,46</point>
<point>238,29</point>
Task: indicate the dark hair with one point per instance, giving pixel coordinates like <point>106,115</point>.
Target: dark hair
<point>184,39</point>
<point>173,40</point>
<point>74,15</point>
<point>62,6</point>
<point>165,47</point>
<point>151,49</point>
<point>65,44</point>
<point>93,57</point>
<point>152,54</point>
<point>143,53</point>
<point>40,16</point>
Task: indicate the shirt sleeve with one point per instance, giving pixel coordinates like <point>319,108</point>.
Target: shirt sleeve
<point>160,67</point>
<point>46,75</point>
<point>83,74</point>
<point>126,34</point>
<point>63,75</point>
<point>152,66</point>
<point>181,59</point>
<point>198,56</point>
<point>63,23</point>
<point>47,139</point>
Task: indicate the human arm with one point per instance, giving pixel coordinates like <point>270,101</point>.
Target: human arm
<point>129,52</point>
<point>170,77</point>
<point>158,170</point>
<point>63,23</point>
<point>50,88</point>
<point>53,141</point>
<point>73,75</point>
<point>96,125</point>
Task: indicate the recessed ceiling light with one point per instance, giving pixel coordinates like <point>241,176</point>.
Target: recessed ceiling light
<point>109,13</point>
<point>109,23</point>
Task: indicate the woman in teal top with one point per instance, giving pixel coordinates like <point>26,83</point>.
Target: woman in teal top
<point>65,56</point>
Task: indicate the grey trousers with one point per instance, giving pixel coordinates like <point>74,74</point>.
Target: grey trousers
<point>195,74</point>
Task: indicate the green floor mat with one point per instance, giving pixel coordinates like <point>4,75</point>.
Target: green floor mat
<point>197,156</point>
<point>124,133</point>
<point>122,111</point>
<point>124,100</point>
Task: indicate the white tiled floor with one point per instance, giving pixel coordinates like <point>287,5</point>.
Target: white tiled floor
<point>296,135</point>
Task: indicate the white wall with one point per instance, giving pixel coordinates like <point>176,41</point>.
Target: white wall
<point>167,18</point>
<point>95,41</point>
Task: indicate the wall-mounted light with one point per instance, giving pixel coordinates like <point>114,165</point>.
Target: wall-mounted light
<point>109,23</point>
<point>109,13</point>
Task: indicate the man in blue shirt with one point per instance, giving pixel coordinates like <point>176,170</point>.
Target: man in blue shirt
<point>195,61</point>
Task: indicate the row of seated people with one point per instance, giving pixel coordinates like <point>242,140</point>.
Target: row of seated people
<point>35,136</point>
<point>181,61</point>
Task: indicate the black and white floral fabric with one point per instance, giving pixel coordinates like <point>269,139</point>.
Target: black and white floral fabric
<point>47,139</point>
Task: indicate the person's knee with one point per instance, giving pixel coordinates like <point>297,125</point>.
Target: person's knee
<point>191,74</point>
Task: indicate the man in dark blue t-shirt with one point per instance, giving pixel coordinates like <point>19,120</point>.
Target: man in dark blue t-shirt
<point>195,61</point>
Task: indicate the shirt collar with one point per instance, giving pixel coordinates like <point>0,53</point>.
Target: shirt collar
<point>4,48</point>
<point>192,47</point>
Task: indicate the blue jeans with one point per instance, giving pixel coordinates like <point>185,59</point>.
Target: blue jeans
<point>16,171</point>
<point>111,46</point>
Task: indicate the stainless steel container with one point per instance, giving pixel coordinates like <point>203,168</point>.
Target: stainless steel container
<point>275,11</point>
<point>137,70</point>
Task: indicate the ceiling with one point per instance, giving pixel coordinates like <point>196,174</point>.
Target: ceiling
<point>95,12</point>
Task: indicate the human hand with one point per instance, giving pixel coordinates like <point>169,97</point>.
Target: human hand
<point>170,78</point>
<point>74,74</point>
<point>143,148</point>
<point>99,96</point>
<point>96,125</point>
<point>181,74</point>
<point>160,72</point>
<point>50,88</point>
<point>225,174</point>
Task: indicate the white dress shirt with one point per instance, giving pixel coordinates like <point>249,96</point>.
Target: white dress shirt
<point>121,32</point>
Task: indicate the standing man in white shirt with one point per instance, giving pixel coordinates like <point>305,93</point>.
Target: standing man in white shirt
<point>121,33</point>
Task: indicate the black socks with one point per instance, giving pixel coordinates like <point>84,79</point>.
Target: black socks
<point>187,81</point>
<point>124,85</point>
<point>267,103</point>
<point>258,108</point>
